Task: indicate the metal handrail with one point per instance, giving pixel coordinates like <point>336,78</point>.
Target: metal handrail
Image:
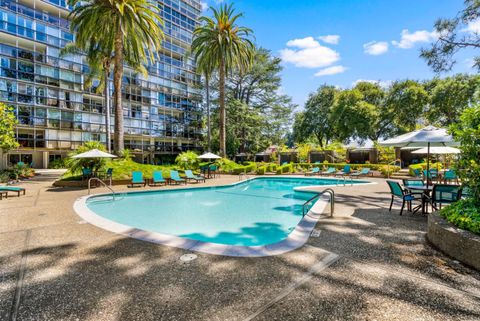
<point>103,183</point>
<point>331,192</point>
<point>242,175</point>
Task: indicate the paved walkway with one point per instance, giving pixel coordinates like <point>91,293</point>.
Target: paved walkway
<point>364,264</point>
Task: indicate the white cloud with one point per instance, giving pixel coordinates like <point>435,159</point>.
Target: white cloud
<point>308,53</point>
<point>408,40</point>
<point>331,71</point>
<point>381,83</point>
<point>473,26</point>
<point>204,6</point>
<point>331,39</point>
<point>375,48</point>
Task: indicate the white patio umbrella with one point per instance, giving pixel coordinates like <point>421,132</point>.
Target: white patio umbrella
<point>438,150</point>
<point>94,153</point>
<point>428,137</point>
<point>209,156</point>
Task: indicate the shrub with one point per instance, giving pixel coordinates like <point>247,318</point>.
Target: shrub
<point>388,170</point>
<point>262,170</point>
<point>287,168</point>
<point>465,214</point>
<point>58,163</point>
<point>422,166</point>
<point>187,160</point>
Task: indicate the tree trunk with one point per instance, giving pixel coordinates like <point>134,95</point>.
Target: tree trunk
<point>117,84</point>
<point>209,139</point>
<point>106,68</point>
<point>222,134</point>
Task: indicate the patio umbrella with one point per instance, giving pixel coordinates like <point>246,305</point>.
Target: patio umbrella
<point>209,156</point>
<point>441,150</point>
<point>428,137</point>
<point>94,153</point>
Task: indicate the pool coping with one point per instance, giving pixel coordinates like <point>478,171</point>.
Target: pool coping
<point>297,238</point>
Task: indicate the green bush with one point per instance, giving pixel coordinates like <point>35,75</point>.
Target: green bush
<point>388,170</point>
<point>422,166</point>
<point>187,160</point>
<point>262,170</point>
<point>58,163</point>
<point>465,214</point>
<point>287,168</point>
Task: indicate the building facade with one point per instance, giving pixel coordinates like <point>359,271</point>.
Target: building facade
<point>57,113</point>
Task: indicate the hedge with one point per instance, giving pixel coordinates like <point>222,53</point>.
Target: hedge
<point>287,168</point>
<point>422,166</point>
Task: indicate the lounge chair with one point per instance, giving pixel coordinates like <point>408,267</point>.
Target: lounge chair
<point>314,171</point>
<point>137,179</point>
<point>3,194</point>
<point>329,171</point>
<point>157,179</point>
<point>364,172</point>
<point>190,176</point>
<point>12,189</point>
<point>398,191</point>
<point>345,171</point>
<point>175,177</point>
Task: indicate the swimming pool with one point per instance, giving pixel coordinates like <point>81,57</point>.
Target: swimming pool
<point>254,213</point>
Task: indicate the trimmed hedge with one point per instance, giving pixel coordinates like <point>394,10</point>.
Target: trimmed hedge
<point>463,214</point>
<point>287,168</point>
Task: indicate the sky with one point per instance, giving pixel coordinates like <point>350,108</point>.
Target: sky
<point>339,42</point>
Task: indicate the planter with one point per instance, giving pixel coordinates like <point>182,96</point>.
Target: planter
<point>457,243</point>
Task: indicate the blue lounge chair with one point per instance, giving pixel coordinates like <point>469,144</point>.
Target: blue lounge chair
<point>314,171</point>
<point>137,179</point>
<point>190,176</point>
<point>175,177</point>
<point>345,171</point>
<point>364,172</point>
<point>157,178</point>
<point>3,194</point>
<point>12,189</point>
<point>329,171</point>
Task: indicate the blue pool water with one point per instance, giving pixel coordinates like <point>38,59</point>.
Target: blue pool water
<point>255,212</point>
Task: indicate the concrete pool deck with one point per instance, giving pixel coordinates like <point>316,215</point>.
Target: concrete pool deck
<point>363,264</point>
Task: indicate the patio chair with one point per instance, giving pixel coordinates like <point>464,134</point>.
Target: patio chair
<point>190,176</point>
<point>417,173</point>
<point>329,171</point>
<point>157,179</point>
<point>314,171</point>
<point>364,172</point>
<point>431,175</point>
<point>408,182</point>
<point>86,173</point>
<point>450,175</point>
<point>397,191</point>
<point>345,171</point>
<point>175,177</point>
<point>13,189</point>
<point>213,170</point>
<point>137,179</point>
<point>444,194</point>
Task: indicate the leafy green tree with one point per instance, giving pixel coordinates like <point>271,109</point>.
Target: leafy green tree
<point>220,43</point>
<point>467,133</point>
<point>408,100</point>
<point>450,96</point>
<point>187,160</point>
<point>8,121</point>
<point>453,38</point>
<point>316,120</point>
<point>131,28</point>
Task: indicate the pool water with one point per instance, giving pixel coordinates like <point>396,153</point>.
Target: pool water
<point>259,211</point>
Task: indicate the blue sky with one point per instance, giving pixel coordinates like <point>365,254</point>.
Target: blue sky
<point>339,42</point>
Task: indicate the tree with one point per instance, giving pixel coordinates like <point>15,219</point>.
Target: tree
<point>221,43</point>
<point>408,100</point>
<point>450,96</point>
<point>316,120</point>
<point>8,121</point>
<point>453,38</point>
<point>130,27</point>
<point>467,133</point>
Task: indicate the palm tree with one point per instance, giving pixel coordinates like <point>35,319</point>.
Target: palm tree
<point>130,28</point>
<point>219,43</point>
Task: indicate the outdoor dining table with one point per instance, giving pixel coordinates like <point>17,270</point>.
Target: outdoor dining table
<point>425,197</point>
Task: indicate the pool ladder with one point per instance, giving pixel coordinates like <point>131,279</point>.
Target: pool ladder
<point>114,195</point>
<point>328,191</point>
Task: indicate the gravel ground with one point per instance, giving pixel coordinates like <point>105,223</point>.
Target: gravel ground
<point>363,264</point>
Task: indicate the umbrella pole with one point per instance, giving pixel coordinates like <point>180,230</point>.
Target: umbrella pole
<point>428,163</point>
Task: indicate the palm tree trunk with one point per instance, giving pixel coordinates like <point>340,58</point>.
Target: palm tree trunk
<point>209,141</point>
<point>117,84</point>
<point>106,68</point>
<point>222,134</point>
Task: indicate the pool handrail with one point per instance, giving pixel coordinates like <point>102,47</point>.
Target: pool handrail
<point>331,192</point>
